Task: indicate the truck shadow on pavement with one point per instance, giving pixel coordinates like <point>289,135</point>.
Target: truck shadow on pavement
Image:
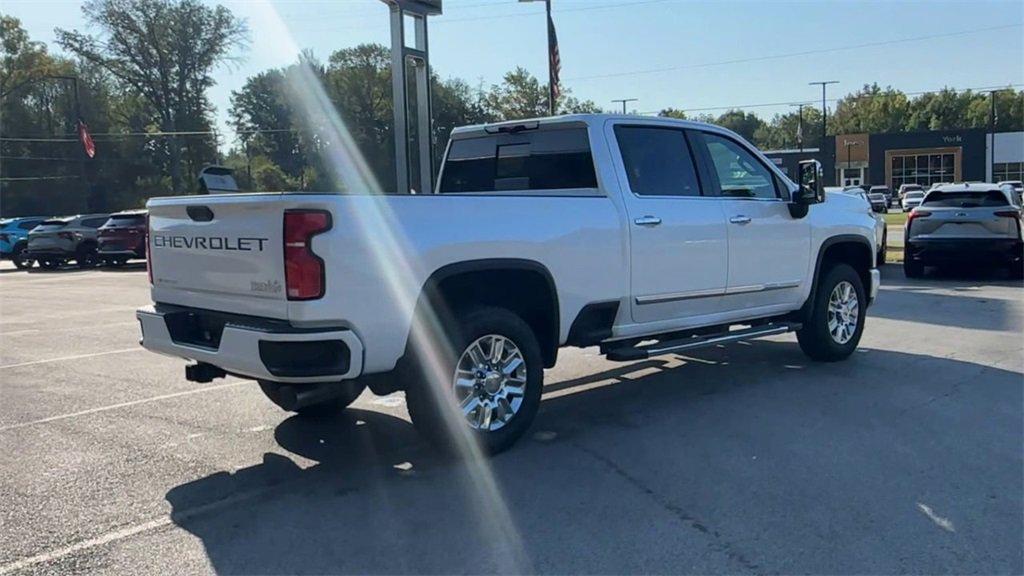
<point>744,459</point>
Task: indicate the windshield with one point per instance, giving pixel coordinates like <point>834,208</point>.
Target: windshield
<point>939,199</point>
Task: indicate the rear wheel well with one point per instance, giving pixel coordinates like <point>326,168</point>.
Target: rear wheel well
<point>525,289</point>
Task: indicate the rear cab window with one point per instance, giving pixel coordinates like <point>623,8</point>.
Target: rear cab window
<point>546,158</point>
<point>987,199</point>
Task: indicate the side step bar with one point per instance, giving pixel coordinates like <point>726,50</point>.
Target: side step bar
<point>630,353</point>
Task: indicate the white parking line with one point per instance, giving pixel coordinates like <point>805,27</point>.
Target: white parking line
<point>67,329</point>
<point>77,357</point>
<point>130,531</point>
<point>122,405</point>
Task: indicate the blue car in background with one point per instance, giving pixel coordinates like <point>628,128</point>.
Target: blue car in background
<point>14,239</point>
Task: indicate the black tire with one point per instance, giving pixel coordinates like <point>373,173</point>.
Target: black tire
<point>445,425</point>
<point>815,338</point>
<point>86,256</point>
<point>912,268</point>
<point>50,264</point>
<point>350,390</point>
<point>20,260</point>
<point>880,258</point>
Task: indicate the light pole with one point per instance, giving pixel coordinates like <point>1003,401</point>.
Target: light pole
<point>824,112</point>
<point>624,100</point>
<point>551,50</point>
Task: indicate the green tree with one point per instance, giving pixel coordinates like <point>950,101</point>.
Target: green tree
<point>672,113</point>
<point>163,50</point>
<point>871,109</point>
<point>1009,110</point>
<point>745,124</point>
<point>521,95</point>
<point>783,129</point>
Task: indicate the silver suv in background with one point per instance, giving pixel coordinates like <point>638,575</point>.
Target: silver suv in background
<point>959,223</point>
<point>885,192</point>
<point>58,240</point>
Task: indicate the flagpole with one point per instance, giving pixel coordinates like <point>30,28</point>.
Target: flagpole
<point>551,69</point>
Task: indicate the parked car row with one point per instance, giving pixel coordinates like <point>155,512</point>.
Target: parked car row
<point>85,239</point>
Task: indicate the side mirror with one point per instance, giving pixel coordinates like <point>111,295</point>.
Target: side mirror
<point>810,179</point>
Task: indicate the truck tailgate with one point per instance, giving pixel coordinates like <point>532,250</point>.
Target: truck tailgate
<point>220,253</point>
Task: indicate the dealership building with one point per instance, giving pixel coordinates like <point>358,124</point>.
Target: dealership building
<point>924,158</point>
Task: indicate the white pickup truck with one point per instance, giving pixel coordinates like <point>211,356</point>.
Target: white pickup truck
<point>642,236</point>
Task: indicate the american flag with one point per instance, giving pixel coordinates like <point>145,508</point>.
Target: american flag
<point>554,61</point>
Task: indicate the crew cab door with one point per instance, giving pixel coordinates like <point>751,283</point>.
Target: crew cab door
<point>677,236</point>
<point>769,249</point>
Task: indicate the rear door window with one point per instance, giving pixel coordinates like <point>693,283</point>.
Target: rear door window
<point>658,161</point>
<point>545,159</point>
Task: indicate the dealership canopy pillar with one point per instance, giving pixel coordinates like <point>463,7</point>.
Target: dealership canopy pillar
<point>416,57</point>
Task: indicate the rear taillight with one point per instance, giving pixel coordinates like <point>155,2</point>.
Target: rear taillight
<point>304,270</point>
<point>1008,214</point>
<point>917,213</point>
<point>66,235</point>
<point>149,254</point>
<point>4,237</point>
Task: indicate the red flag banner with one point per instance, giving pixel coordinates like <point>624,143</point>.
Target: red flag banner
<point>554,60</point>
<point>87,144</point>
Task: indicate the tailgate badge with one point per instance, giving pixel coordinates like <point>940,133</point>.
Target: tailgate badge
<point>268,287</point>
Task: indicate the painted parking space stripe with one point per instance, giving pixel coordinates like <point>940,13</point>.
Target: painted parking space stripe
<point>122,405</point>
<point>76,357</point>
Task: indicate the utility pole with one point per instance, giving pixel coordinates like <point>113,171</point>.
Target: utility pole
<point>624,100</point>
<point>992,131</point>
<point>824,113</point>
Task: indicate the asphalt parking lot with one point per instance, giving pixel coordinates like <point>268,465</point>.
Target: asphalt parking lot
<point>742,459</point>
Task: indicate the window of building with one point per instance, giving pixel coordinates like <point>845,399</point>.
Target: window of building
<point>657,161</point>
<point>922,169</point>
<point>553,159</point>
<point>1008,171</point>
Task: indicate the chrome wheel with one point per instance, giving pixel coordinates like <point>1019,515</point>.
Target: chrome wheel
<point>490,382</point>
<point>843,312</point>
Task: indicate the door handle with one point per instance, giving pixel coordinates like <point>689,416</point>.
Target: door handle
<point>647,221</point>
<point>741,219</point>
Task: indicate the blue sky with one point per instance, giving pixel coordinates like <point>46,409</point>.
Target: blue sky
<point>479,40</point>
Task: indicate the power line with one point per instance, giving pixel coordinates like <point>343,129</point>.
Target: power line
<point>831,100</point>
<point>443,20</point>
<point>793,54</point>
